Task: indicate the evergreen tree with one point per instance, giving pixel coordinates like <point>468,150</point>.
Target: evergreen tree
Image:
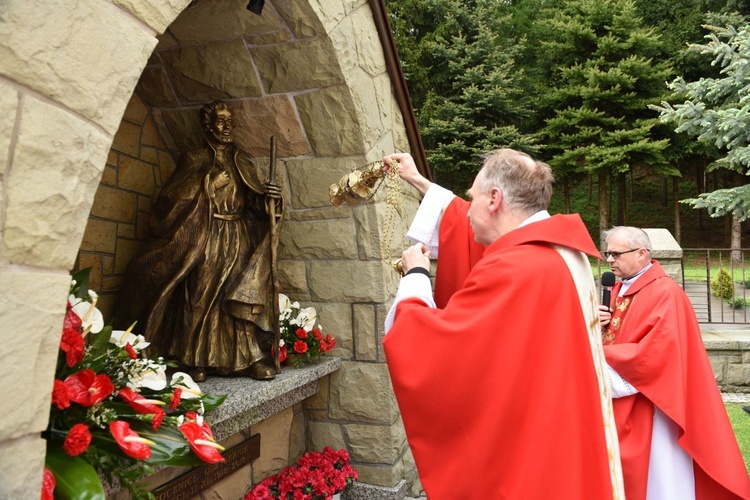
<point>458,58</point>
<point>716,111</point>
<point>601,80</point>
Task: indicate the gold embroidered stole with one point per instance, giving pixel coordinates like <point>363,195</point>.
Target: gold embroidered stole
<point>580,270</point>
<point>622,304</point>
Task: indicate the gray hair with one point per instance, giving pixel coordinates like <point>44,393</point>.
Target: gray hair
<point>526,183</point>
<point>635,237</point>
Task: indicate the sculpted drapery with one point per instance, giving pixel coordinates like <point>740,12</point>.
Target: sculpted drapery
<point>200,289</point>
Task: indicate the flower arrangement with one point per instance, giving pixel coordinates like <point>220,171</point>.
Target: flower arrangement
<point>301,342</point>
<point>114,412</point>
<point>317,476</point>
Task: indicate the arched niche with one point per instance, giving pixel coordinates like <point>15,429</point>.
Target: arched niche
<point>93,93</point>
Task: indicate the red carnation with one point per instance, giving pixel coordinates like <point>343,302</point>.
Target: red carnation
<point>48,485</point>
<point>330,342</point>
<point>60,396</point>
<point>201,442</point>
<point>129,441</point>
<point>158,419</point>
<point>300,346</point>
<point>138,402</point>
<point>77,440</point>
<point>301,333</point>
<point>131,352</point>
<point>316,333</point>
<point>73,346</point>
<point>323,347</point>
<point>87,388</point>
<point>176,397</point>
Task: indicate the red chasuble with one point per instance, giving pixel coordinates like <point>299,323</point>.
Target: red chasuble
<point>659,350</point>
<point>498,390</point>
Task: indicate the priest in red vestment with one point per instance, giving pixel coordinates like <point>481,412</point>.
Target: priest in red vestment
<point>676,441</point>
<point>499,377</point>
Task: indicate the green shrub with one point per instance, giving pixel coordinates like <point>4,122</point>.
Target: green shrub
<point>738,302</point>
<point>722,285</point>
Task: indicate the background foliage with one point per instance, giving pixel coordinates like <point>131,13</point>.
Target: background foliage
<point>571,82</point>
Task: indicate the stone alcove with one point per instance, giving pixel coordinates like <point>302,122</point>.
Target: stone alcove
<point>97,99</point>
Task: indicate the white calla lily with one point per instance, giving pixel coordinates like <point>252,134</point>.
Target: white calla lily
<point>190,389</point>
<point>284,302</point>
<point>91,318</point>
<point>122,337</point>
<point>306,318</point>
<point>155,378</point>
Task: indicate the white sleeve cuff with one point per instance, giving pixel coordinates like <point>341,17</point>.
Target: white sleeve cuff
<point>425,228</point>
<point>620,386</point>
<point>417,286</point>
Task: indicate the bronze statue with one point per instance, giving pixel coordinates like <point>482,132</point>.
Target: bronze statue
<point>201,287</point>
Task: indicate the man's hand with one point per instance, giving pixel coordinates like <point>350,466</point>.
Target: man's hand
<point>416,256</point>
<point>407,170</point>
<point>605,316</point>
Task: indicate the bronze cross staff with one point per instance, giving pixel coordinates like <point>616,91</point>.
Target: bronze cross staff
<point>274,273</point>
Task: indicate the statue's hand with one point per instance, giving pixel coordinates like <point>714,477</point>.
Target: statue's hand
<point>220,179</point>
<point>273,190</point>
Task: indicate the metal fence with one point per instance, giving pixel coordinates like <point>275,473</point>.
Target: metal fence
<point>718,284</point>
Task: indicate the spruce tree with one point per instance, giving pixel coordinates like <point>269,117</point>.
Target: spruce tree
<point>715,111</point>
<point>459,61</point>
<point>601,79</point>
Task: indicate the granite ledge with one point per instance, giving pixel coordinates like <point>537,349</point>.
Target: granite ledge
<point>364,491</point>
<point>250,401</point>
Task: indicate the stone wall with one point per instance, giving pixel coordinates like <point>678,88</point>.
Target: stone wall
<point>729,353</point>
<point>137,166</point>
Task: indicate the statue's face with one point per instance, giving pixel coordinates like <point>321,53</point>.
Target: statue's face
<point>222,126</point>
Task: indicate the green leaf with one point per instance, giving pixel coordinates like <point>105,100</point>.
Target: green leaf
<point>75,479</point>
<point>211,401</point>
<point>82,283</point>
<point>100,341</point>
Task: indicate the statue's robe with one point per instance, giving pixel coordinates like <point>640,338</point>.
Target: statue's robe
<point>200,289</point>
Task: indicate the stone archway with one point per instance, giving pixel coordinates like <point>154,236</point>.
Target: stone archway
<point>67,74</point>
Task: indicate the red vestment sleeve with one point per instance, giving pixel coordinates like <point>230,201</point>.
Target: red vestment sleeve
<point>457,251</point>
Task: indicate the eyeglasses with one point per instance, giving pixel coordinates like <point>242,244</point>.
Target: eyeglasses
<point>617,255</point>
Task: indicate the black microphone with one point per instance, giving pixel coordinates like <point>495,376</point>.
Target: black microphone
<point>608,281</point>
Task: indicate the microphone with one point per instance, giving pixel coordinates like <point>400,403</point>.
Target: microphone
<point>608,281</point>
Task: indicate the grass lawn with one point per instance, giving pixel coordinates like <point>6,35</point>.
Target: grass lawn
<point>741,424</point>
